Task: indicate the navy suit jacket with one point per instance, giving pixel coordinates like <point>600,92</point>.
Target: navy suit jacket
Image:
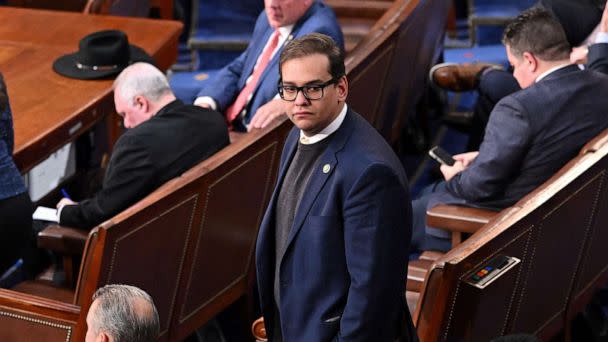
<point>530,136</point>
<point>227,85</point>
<point>344,269</point>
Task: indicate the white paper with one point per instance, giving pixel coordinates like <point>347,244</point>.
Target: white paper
<point>45,214</point>
<point>47,175</point>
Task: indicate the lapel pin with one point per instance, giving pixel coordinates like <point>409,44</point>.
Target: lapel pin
<point>326,168</point>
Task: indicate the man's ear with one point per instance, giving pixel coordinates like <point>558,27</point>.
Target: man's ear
<point>342,88</point>
<point>141,103</point>
<point>102,337</point>
<point>531,61</point>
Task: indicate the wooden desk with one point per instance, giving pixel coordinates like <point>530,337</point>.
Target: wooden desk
<point>50,110</point>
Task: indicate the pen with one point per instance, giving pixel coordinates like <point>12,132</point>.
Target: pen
<point>65,194</point>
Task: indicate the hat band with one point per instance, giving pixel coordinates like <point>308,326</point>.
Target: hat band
<point>96,67</point>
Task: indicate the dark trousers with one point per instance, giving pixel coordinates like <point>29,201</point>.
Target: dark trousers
<point>493,86</point>
<point>15,228</point>
<point>421,241</point>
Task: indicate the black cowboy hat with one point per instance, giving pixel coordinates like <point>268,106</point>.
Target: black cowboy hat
<point>101,54</point>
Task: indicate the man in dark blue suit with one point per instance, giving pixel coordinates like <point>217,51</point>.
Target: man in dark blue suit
<point>332,249</point>
<point>586,30</point>
<point>531,133</point>
<point>289,19</point>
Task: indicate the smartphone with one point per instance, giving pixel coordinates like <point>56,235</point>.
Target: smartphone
<point>441,156</point>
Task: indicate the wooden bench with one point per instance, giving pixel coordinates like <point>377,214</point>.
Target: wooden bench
<point>388,69</point>
<point>189,244</point>
<point>557,234</point>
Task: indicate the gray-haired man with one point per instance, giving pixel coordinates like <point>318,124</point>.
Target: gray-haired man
<point>164,138</point>
<point>122,313</point>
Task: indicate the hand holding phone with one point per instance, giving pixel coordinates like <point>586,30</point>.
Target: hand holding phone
<point>441,156</point>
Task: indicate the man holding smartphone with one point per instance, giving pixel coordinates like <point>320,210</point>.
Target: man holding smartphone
<point>531,134</point>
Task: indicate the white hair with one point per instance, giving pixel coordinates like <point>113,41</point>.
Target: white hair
<point>141,79</point>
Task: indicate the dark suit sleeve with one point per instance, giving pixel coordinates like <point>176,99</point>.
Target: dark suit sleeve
<point>597,59</point>
<point>377,233</point>
<point>129,178</point>
<point>501,153</point>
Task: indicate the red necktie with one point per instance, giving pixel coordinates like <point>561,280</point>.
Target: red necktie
<point>237,106</point>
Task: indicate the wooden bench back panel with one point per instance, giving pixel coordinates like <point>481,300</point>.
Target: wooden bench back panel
<point>557,233</point>
<point>25,317</point>
<point>466,302</point>
<point>387,71</point>
<point>190,243</point>
<point>594,265</point>
<point>147,250</point>
<point>561,228</point>
<point>418,48</point>
<point>233,204</point>
<point>30,326</point>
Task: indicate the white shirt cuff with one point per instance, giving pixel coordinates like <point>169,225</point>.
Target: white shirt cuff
<point>208,100</point>
<point>602,37</point>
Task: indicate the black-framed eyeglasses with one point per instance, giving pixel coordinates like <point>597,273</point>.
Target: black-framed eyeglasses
<point>310,91</point>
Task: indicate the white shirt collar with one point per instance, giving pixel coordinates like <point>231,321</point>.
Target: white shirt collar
<point>546,73</point>
<point>327,131</point>
<point>284,32</point>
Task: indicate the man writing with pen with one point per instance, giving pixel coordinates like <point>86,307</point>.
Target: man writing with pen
<point>149,153</point>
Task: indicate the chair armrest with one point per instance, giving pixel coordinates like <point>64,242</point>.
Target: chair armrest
<point>458,219</point>
<point>64,240</point>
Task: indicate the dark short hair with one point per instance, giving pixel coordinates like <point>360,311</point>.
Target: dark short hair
<point>117,315</point>
<point>536,31</point>
<point>315,43</point>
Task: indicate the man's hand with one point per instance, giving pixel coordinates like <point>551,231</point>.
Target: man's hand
<point>466,158</point>
<point>463,160</point>
<point>268,112</point>
<point>204,105</point>
<point>64,201</point>
<point>578,55</point>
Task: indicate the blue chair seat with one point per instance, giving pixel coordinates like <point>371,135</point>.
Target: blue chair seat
<point>487,53</point>
<point>186,85</point>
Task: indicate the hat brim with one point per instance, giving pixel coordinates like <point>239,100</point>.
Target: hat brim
<point>66,65</point>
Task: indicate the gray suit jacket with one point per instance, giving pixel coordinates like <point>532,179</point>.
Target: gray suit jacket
<point>530,136</point>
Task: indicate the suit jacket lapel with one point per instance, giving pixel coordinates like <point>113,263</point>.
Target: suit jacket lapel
<point>290,150</point>
<point>320,175</point>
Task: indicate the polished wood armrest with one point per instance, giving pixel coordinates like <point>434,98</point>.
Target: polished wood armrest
<point>458,218</point>
<point>28,303</point>
<point>258,329</point>
<point>431,255</point>
<point>63,240</point>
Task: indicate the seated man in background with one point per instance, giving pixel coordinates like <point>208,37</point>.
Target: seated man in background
<point>246,89</point>
<point>531,134</point>
<point>122,313</point>
<point>164,139</point>
<point>584,31</point>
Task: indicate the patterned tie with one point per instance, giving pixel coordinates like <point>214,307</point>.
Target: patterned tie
<point>239,104</point>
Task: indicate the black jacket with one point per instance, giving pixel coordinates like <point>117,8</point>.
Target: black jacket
<point>172,141</point>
